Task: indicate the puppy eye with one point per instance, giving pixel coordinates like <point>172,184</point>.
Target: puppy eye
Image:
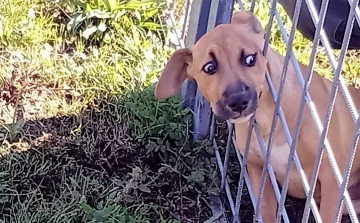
<point>250,60</point>
<point>210,68</point>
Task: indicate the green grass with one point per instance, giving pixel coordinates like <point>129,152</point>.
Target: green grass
<point>83,138</point>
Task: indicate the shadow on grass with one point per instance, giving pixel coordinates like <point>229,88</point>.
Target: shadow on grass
<point>134,155</point>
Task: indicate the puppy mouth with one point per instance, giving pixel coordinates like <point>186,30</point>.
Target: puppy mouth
<point>235,117</point>
<point>241,118</point>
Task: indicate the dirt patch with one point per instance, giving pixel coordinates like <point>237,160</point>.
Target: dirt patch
<point>23,93</point>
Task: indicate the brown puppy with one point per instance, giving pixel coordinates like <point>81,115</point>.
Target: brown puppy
<point>229,68</point>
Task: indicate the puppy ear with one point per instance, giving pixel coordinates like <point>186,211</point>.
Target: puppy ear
<point>249,19</point>
<point>174,74</point>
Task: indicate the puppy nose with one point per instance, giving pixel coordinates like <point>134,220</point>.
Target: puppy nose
<point>238,97</point>
<point>238,102</point>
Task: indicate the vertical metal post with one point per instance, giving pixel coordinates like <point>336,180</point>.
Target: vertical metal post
<point>188,88</point>
<point>192,98</point>
<point>224,14</point>
<point>225,11</point>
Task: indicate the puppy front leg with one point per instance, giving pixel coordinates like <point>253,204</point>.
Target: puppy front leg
<point>268,203</point>
<point>329,193</point>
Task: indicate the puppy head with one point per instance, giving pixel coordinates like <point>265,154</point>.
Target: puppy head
<point>228,66</point>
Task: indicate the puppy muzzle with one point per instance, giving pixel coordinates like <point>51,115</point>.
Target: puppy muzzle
<point>238,100</point>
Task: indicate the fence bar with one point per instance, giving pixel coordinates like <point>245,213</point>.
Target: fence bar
<point>188,6</point>
<point>282,117</point>
<point>202,109</point>
<point>344,47</point>
<point>311,105</point>
<point>246,175</point>
<point>213,13</point>
<point>227,188</point>
<point>216,198</point>
<point>243,169</point>
<point>224,14</point>
<point>267,157</point>
<point>227,152</point>
<point>288,136</point>
<point>334,90</point>
<point>319,25</point>
<point>271,175</point>
<point>357,12</point>
<point>202,112</point>
<point>188,88</point>
<point>316,169</point>
<point>212,128</point>
<point>225,11</point>
<point>252,7</point>
<point>278,101</point>
<point>289,139</point>
<point>348,168</point>
<point>333,62</point>
<point>308,99</point>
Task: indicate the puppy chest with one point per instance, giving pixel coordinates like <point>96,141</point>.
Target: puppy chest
<point>278,158</point>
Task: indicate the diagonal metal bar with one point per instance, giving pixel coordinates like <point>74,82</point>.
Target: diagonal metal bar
<point>357,12</point>
<point>311,105</point>
<point>283,120</point>
<point>302,106</point>
<point>270,25</point>
<point>333,62</point>
<point>344,47</point>
<point>268,152</point>
<point>267,156</point>
<point>316,169</point>
<point>246,175</point>
<point>243,170</point>
<point>282,117</point>
<point>289,140</point>
<point>187,11</point>
<point>212,127</point>
<point>226,160</point>
<point>271,175</point>
<point>223,15</point>
<point>334,91</point>
<point>252,7</point>
<point>349,164</point>
<point>242,7</point>
<point>278,102</point>
<point>226,184</point>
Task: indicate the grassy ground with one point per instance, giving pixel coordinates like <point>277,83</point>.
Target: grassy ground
<point>83,138</point>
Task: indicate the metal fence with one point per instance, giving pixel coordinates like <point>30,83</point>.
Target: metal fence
<point>205,15</point>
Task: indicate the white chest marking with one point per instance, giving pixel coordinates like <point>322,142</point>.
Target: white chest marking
<point>278,158</point>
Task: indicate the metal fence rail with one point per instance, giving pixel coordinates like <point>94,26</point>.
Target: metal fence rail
<point>205,15</point>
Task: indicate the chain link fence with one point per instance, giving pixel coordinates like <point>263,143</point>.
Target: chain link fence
<point>197,18</point>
